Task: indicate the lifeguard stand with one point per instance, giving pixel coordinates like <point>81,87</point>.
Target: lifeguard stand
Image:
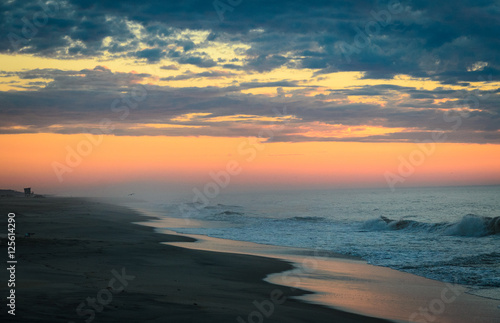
<point>27,192</point>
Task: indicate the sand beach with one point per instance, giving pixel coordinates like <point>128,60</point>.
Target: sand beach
<point>88,261</point>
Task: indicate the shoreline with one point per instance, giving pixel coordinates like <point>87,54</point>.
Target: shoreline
<point>88,261</point>
<point>317,272</point>
<point>351,284</point>
<point>163,223</point>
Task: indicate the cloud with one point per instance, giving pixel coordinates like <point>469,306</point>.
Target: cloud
<point>152,55</point>
<point>417,38</point>
<point>452,46</point>
<point>190,75</point>
<point>170,67</point>
<point>98,78</point>
<point>197,61</point>
<point>76,102</point>
<point>253,85</point>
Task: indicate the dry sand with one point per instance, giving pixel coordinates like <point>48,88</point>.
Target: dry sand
<point>85,252</point>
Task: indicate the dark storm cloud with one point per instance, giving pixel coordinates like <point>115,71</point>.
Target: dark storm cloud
<point>197,61</point>
<point>381,38</point>
<point>453,44</point>
<point>152,55</point>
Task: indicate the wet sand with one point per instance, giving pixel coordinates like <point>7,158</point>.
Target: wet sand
<point>87,262</point>
<point>350,284</point>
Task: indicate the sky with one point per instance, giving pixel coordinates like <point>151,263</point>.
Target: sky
<point>213,96</point>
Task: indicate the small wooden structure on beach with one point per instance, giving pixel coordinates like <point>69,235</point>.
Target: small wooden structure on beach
<point>27,192</point>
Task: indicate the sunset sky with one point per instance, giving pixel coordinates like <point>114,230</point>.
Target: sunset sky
<point>101,95</point>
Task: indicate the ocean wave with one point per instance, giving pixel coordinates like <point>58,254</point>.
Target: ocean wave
<point>483,260</point>
<point>470,225</point>
<point>473,270</point>
<point>218,212</point>
<point>492,258</point>
<point>475,226</point>
<point>220,205</point>
<point>307,218</point>
<point>227,212</point>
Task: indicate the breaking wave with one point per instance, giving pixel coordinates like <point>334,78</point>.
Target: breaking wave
<point>470,225</point>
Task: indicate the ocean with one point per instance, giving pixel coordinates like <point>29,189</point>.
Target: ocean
<point>442,233</point>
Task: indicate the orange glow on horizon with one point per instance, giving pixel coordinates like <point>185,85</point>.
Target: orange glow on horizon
<point>121,159</point>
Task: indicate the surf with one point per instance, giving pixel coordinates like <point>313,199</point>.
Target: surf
<point>470,225</point>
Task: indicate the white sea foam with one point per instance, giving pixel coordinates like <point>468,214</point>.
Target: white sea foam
<point>446,234</point>
<point>469,226</point>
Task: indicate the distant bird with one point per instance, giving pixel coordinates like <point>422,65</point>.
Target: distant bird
<point>131,194</point>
